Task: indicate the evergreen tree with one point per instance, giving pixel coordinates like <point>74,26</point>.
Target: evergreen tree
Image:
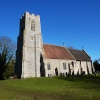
<point>96,66</point>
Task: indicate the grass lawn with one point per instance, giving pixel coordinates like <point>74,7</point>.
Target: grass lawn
<point>56,88</point>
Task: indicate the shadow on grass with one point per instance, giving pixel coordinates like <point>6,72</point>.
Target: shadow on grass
<point>83,78</point>
<point>85,82</point>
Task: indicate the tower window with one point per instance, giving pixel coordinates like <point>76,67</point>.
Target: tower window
<point>33,25</point>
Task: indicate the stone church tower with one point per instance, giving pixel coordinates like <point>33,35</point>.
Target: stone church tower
<point>29,47</point>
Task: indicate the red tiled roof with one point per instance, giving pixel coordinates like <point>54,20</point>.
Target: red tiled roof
<point>56,52</point>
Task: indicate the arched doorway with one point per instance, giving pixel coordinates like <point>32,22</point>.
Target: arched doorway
<point>56,71</point>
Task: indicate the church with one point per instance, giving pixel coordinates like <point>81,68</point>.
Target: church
<point>35,59</point>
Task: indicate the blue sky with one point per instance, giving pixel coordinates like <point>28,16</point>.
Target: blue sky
<point>73,22</point>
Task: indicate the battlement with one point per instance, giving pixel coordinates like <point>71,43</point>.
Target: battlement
<point>30,22</point>
<point>27,14</point>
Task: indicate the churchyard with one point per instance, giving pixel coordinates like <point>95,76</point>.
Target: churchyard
<point>55,88</point>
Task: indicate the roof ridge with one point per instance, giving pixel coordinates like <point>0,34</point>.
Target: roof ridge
<point>70,53</point>
<point>54,45</point>
<point>86,53</point>
<point>74,49</point>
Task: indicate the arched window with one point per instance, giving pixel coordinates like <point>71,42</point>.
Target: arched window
<point>64,66</point>
<point>48,66</point>
<point>33,25</point>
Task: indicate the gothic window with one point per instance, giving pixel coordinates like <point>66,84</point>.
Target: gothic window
<point>64,66</point>
<point>33,25</point>
<point>48,66</point>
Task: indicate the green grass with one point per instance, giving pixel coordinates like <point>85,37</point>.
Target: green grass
<point>56,88</point>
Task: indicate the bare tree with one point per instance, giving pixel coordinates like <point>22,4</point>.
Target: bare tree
<point>70,47</point>
<point>7,54</point>
<point>9,44</point>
